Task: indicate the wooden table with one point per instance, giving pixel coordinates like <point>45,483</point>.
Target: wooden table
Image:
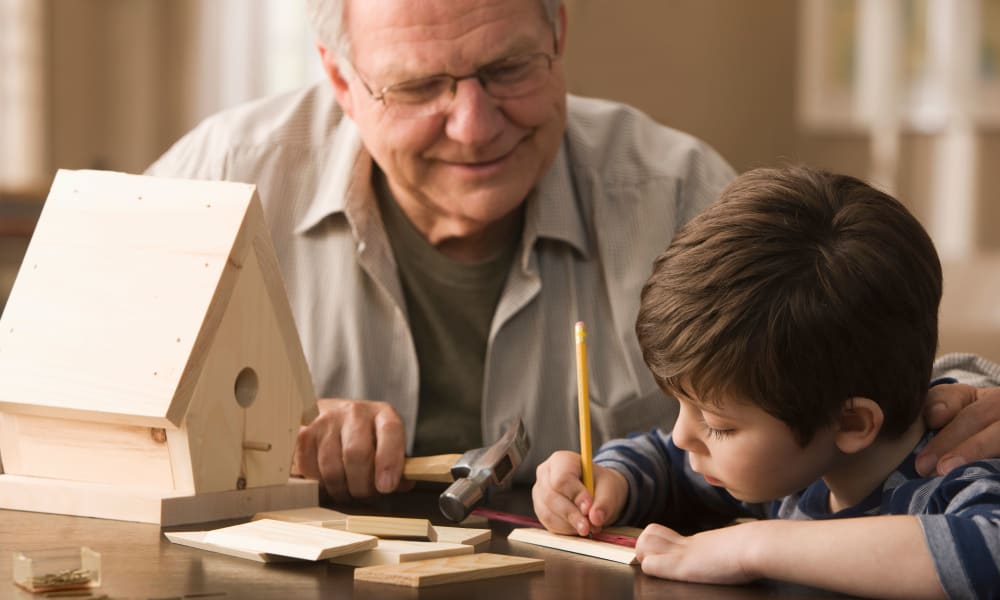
<point>139,563</point>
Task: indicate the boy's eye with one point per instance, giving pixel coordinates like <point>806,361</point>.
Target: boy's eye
<point>718,434</point>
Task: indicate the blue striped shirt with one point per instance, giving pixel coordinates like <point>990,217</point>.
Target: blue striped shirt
<point>959,512</point>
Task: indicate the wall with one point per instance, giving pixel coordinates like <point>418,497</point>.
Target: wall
<point>123,89</point>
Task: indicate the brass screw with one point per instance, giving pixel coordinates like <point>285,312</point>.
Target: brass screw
<point>68,577</point>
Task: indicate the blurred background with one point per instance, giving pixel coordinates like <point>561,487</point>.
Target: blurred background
<point>904,93</point>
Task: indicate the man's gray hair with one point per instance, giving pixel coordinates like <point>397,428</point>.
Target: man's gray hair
<point>327,18</point>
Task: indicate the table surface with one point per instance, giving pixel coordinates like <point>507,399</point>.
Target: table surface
<point>139,563</point>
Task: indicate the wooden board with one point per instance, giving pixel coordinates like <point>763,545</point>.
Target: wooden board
<point>572,543</point>
<point>398,528</point>
<point>86,451</point>
<point>145,505</point>
<point>196,539</point>
<point>462,535</point>
<point>290,539</point>
<point>309,515</point>
<point>393,552</point>
<point>452,569</point>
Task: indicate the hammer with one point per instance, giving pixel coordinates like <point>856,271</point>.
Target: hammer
<point>472,473</point>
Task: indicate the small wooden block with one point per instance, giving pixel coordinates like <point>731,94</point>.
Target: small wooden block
<point>310,515</point>
<point>398,528</point>
<point>290,539</point>
<point>196,539</point>
<point>572,543</point>
<point>452,569</point>
<point>393,552</point>
<point>461,535</point>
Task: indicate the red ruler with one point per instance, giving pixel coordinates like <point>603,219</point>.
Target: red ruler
<point>496,515</point>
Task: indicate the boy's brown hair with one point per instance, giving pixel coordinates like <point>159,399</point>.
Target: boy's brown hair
<point>797,290</point>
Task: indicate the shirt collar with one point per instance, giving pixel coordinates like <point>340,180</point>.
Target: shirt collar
<point>346,170</point>
<point>552,210</point>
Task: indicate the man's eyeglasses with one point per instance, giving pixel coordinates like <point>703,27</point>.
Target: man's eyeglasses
<point>512,77</point>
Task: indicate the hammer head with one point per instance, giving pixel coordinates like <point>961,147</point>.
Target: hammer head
<point>478,470</point>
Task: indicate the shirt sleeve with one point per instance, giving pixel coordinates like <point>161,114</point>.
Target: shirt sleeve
<point>960,517</point>
<point>663,488</point>
<point>197,155</point>
<point>968,368</point>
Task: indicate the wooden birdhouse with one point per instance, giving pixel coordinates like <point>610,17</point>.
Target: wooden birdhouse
<point>150,369</point>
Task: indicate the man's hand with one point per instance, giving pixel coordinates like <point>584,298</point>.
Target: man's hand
<point>563,503</point>
<point>354,447</point>
<point>970,422</point>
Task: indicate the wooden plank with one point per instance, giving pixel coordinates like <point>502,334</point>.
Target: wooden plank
<point>309,515</point>
<point>398,528</point>
<point>462,535</point>
<point>147,505</point>
<point>393,552</point>
<point>572,543</point>
<point>290,539</point>
<point>451,569</point>
<point>196,539</point>
<point>84,451</point>
<point>430,468</point>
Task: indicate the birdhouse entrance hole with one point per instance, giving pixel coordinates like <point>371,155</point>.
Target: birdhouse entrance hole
<point>246,387</point>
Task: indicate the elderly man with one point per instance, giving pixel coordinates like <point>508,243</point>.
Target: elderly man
<point>443,213</point>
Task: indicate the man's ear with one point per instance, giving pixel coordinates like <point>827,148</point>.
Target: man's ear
<point>858,425</point>
<point>337,78</point>
<point>561,29</point>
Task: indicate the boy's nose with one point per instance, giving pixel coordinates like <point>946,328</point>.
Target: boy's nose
<point>686,430</point>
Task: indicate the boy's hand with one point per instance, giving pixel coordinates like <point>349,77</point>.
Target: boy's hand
<point>708,557</point>
<point>563,504</point>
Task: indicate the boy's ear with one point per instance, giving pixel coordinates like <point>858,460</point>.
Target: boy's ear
<point>858,425</point>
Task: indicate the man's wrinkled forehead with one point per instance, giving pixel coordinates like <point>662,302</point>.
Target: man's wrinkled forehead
<point>406,38</point>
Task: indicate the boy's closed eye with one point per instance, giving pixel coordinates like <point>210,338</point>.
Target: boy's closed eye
<point>716,428</point>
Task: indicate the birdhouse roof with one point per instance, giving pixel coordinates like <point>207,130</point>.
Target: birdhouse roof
<point>114,299</point>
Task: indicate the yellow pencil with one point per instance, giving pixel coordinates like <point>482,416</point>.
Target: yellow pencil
<point>583,401</point>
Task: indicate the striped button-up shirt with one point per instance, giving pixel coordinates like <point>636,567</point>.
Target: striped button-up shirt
<point>959,512</point>
<point>619,188</point>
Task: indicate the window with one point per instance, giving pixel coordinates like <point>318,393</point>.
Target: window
<point>23,136</point>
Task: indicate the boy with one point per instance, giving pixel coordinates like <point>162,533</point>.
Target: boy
<point>796,323</point>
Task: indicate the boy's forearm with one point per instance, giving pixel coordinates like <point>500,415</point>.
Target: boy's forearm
<point>883,556</point>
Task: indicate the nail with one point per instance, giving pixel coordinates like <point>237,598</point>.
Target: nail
<point>598,517</point>
<point>581,526</point>
<point>925,463</point>
<point>385,482</point>
<point>938,410</point>
<point>951,462</point>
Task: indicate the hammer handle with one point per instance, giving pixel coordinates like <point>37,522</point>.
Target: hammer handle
<point>430,468</point>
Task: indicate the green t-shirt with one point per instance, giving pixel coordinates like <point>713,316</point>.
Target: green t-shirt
<point>450,305</point>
